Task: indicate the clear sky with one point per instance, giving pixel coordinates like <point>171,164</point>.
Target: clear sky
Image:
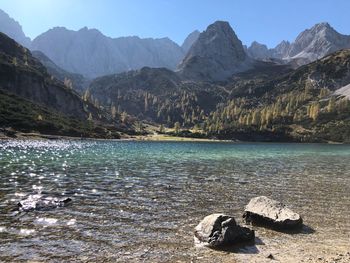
<point>266,21</point>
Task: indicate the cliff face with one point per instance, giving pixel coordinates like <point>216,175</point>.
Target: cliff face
<point>25,76</point>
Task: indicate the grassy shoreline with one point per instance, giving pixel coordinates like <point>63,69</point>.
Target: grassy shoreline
<point>163,137</point>
<point>153,137</point>
<point>137,138</point>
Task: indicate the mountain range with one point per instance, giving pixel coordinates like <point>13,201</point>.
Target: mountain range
<point>310,45</point>
<point>90,53</point>
<point>214,84</point>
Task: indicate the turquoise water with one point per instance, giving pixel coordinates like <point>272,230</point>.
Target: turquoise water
<point>139,201</point>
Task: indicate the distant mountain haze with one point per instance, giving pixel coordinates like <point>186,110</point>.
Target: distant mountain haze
<point>13,29</point>
<point>92,54</point>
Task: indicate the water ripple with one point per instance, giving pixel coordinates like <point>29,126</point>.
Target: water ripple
<point>140,200</point>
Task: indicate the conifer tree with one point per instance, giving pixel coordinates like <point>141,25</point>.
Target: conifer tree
<point>331,104</point>
<point>161,128</point>
<point>177,127</point>
<point>113,112</point>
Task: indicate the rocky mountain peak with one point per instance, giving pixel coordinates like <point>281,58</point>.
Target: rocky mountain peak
<point>85,28</point>
<point>322,26</point>
<point>220,34</point>
<point>318,41</point>
<point>317,31</point>
<point>89,31</point>
<point>219,39</point>
<point>258,51</point>
<point>215,56</point>
<point>283,44</point>
<point>311,44</point>
<point>281,50</point>
<point>13,29</point>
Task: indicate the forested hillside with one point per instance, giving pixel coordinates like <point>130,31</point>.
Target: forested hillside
<point>270,102</point>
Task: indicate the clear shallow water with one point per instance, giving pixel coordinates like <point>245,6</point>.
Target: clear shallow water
<point>139,201</point>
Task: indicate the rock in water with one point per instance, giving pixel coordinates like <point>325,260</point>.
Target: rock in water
<point>38,202</point>
<point>218,230</point>
<point>263,210</point>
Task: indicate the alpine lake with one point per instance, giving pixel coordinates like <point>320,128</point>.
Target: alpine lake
<point>140,201</point>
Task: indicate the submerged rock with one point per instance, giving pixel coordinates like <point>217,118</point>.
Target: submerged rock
<point>38,202</point>
<point>263,210</point>
<point>218,230</point>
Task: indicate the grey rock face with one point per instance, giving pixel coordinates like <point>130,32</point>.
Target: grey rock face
<point>318,42</point>
<point>13,29</point>
<point>189,41</point>
<point>281,50</point>
<point>215,56</point>
<point>258,51</point>
<point>38,202</point>
<point>90,53</point>
<point>217,230</point>
<point>343,91</point>
<point>263,210</point>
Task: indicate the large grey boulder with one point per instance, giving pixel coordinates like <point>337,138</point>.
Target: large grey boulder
<point>38,202</point>
<point>217,230</point>
<point>263,210</point>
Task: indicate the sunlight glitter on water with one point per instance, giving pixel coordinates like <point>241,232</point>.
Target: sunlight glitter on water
<point>26,232</point>
<point>47,221</point>
<point>131,197</point>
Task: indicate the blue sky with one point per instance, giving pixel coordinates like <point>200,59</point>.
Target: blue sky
<point>266,21</point>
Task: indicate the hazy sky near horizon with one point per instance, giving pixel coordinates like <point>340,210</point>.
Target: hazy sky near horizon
<point>266,21</point>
